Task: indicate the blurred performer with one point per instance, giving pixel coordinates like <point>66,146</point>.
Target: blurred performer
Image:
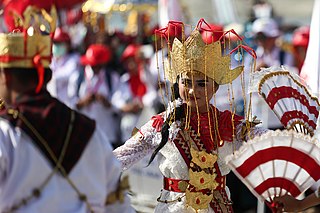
<point>130,99</point>
<point>52,158</point>
<point>64,63</point>
<point>300,41</point>
<point>192,137</point>
<point>96,89</point>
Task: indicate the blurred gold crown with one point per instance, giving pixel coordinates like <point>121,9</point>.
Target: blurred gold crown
<point>194,55</point>
<point>19,49</point>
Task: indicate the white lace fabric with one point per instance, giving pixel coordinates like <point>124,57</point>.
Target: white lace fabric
<point>171,163</point>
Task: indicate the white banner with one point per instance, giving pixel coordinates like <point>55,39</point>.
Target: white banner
<point>311,68</point>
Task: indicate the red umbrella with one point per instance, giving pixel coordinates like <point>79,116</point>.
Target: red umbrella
<point>18,6</point>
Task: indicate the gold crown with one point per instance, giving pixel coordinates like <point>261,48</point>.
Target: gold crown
<point>195,55</point>
<point>18,49</point>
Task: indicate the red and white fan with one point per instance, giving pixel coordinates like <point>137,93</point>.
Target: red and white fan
<point>277,163</point>
<point>290,100</point>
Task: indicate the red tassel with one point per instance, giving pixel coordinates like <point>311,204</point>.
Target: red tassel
<point>37,63</point>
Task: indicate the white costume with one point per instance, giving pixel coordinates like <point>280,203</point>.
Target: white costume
<point>23,168</point>
<point>171,163</point>
<point>62,69</point>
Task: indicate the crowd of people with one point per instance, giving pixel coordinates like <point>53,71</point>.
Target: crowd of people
<point>78,120</point>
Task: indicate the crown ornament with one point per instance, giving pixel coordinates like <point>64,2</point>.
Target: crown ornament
<point>29,46</point>
<point>18,49</point>
<point>194,55</point>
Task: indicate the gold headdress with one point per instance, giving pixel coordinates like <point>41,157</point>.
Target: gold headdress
<point>195,55</point>
<point>30,48</point>
<point>17,49</point>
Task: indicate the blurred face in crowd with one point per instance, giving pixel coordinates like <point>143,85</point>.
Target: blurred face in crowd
<point>60,49</point>
<point>266,42</point>
<point>131,65</point>
<point>96,68</point>
<point>196,90</point>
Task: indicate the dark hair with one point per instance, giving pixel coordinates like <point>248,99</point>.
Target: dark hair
<point>28,75</point>
<point>177,114</point>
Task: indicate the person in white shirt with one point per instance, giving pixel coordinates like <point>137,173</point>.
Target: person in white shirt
<point>52,158</point>
<point>63,65</point>
<point>95,91</point>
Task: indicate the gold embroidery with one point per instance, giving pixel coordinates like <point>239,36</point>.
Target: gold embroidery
<point>202,179</point>
<point>198,200</point>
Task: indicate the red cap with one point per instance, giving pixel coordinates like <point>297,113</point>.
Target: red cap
<point>130,51</point>
<point>61,36</point>
<point>301,36</point>
<point>96,54</point>
<point>216,31</point>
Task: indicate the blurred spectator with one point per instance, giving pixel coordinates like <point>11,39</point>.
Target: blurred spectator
<point>265,32</point>
<point>117,42</point>
<point>95,90</point>
<point>261,9</point>
<point>64,63</point>
<point>300,43</point>
<point>132,95</point>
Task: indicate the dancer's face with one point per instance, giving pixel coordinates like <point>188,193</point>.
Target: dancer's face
<point>196,90</point>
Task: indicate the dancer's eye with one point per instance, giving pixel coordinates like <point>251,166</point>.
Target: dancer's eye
<point>201,84</point>
<point>186,82</point>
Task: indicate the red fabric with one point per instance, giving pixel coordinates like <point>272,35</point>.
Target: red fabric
<point>61,36</point>
<point>131,50</point>
<point>216,205</point>
<point>280,153</point>
<point>212,33</point>
<point>138,88</point>
<point>19,7</point>
<point>184,150</point>
<point>301,36</point>
<point>225,127</point>
<point>96,54</point>
<point>157,122</point>
<point>172,184</point>
<point>51,119</point>
<point>37,63</point>
<point>74,16</point>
